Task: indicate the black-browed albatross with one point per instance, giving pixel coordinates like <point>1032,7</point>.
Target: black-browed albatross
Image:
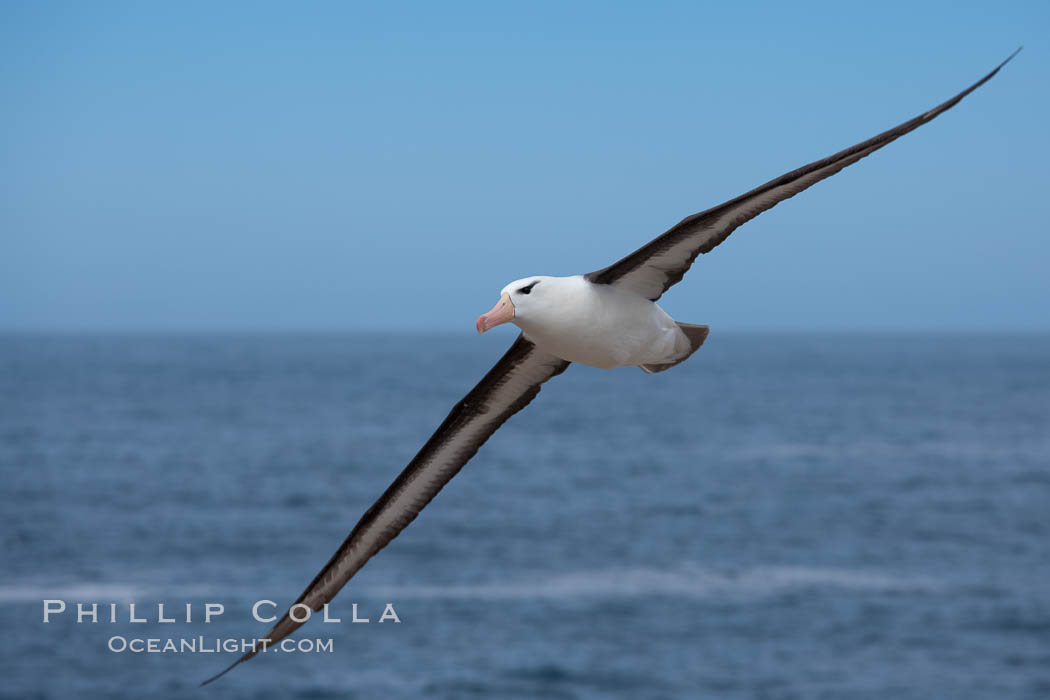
<point>604,319</point>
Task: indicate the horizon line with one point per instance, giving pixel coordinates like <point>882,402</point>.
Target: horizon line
<point>449,331</point>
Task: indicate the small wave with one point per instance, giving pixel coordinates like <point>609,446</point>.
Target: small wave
<point>688,582</point>
<point>869,449</point>
<point>75,591</point>
<point>685,582</point>
<point>96,592</point>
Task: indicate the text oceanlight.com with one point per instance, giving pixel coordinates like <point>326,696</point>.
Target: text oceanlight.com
<point>203,645</point>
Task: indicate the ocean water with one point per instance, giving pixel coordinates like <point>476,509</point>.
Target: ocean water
<point>810,516</point>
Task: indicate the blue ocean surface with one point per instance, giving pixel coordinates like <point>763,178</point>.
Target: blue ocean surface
<point>782,516</point>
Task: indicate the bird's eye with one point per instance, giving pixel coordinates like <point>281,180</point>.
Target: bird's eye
<point>527,289</point>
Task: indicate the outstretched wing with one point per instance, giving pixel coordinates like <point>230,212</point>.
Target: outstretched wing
<point>508,387</point>
<point>653,268</point>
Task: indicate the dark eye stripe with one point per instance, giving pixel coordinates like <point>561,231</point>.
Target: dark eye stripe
<point>527,289</point>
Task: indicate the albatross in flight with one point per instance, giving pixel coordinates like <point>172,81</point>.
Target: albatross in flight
<point>605,319</point>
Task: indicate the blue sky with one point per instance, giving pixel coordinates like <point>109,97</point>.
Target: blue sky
<point>315,166</point>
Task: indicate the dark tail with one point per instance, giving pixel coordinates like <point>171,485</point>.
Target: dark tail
<point>696,336</point>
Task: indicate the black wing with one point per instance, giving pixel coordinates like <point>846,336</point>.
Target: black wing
<point>653,268</point>
<point>508,387</point>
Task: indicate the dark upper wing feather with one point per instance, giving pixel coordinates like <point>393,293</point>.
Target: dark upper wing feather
<point>507,388</point>
<point>662,262</point>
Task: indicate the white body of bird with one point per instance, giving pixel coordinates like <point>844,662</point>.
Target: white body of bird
<point>597,325</point>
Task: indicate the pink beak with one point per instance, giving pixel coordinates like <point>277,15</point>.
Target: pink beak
<point>502,312</point>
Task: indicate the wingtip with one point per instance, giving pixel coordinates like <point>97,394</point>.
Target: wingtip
<point>222,673</point>
<point>999,67</point>
<point>1011,56</point>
